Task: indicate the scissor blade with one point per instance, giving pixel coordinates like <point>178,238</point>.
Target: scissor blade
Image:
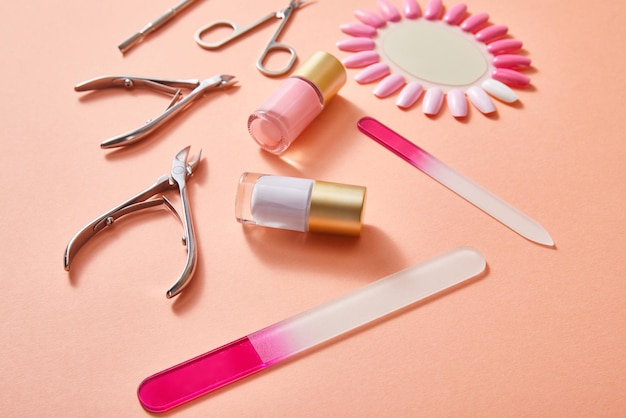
<point>461,185</point>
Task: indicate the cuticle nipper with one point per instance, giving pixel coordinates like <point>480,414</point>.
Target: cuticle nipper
<point>173,87</point>
<point>181,170</point>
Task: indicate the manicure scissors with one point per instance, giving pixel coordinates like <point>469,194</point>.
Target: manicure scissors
<point>271,47</point>
<point>181,169</point>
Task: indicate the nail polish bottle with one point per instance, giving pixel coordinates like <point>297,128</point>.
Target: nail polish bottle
<point>297,102</point>
<point>300,204</point>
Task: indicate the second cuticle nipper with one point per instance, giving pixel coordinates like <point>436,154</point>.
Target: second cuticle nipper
<point>181,170</point>
<point>173,87</point>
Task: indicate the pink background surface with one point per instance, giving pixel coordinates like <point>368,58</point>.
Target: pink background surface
<point>542,334</point>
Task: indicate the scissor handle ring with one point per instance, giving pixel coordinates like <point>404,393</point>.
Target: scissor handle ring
<point>237,30</point>
<point>276,46</point>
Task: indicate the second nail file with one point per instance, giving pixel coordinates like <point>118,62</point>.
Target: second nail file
<point>459,184</point>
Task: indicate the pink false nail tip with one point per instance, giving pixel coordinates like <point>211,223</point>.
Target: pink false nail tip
<point>433,9</point>
<point>409,95</point>
<point>499,90</point>
<point>475,22</point>
<point>389,85</point>
<point>372,73</point>
<point>510,61</point>
<point>356,44</point>
<point>481,100</point>
<point>358,29</point>
<point>457,103</point>
<point>411,9</point>
<point>510,77</point>
<point>388,10</point>
<point>504,46</point>
<point>491,33</point>
<point>433,99</point>
<point>361,59</point>
<point>455,15</point>
<point>370,18</point>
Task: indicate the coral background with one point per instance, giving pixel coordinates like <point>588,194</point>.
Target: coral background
<point>542,334</point>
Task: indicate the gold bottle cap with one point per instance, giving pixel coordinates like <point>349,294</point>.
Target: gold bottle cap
<point>325,71</point>
<point>336,208</point>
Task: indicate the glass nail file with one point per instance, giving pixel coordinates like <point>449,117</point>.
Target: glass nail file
<point>459,184</point>
<point>275,343</point>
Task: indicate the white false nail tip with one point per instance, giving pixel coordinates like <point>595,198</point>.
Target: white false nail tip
<point>433,99</point>
<point>499,90</point>
<point>409,95</point>
<point>389,85</point>
<point>481,100</point>
<point>457,103</point>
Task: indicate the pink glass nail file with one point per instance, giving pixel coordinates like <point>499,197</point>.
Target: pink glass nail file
<point>464,187</point>
<point>271,345</point>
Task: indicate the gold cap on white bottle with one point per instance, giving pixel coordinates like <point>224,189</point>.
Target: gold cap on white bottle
<point>336,208</point>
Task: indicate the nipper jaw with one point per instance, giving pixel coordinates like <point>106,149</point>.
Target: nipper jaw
<point>171,87</point>
<point>182,169</point>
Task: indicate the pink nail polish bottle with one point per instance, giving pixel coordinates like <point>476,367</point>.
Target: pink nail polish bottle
<point>296,102</point>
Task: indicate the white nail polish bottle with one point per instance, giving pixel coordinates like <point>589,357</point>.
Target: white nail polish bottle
<point>300,204</point>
